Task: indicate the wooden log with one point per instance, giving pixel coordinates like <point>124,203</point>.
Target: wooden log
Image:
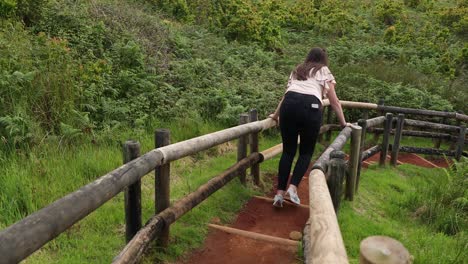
<point>397,138</point>
<point>430,125</point>
<point>386,138</point>
<point>413,133</point>
<point>427,151</point>
<point>358,105</point>
<point>438,141</point>
<point>365,114</point>
<point>337,144</point>
<point>135,249</point>
<point>454,143</point>
<point>412,111</point>
<point>376,121</point>
<point>394,109</point>
<point>242,147</point>
<point>132,194</point>
<point>370,152</point>
<point>363,124</point>
<point>381,113</point>
<point>162,189</point>
<point>29,234</point>
<point>257,236</point>
<point>326,242</point>
<point>306,243</point>
<point>271,152</point>
<point>354,160</point>
<point>329,121</point>
<point>382,249</point>
<point>460,143</point>
<point>336,175</point>
<point>255,169</point>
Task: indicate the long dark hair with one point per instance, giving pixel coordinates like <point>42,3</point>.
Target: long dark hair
<point>316,59</point>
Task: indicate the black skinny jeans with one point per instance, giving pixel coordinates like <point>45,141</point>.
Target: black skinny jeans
<point>300,114</point>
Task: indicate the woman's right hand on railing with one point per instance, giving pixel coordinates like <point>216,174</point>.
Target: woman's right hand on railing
<point>275,118</point>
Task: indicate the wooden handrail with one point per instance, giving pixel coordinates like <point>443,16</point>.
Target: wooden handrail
<point>402,110</point>
<point>29,234</point>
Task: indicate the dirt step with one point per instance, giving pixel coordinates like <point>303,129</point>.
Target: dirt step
<point>261,217</point>
<point>221,247</point>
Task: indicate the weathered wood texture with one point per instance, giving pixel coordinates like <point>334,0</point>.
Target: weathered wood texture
<point>363,124</point>
<point>438,141</point>
<point>337,144</point>
<point>257,236</point>
<point>27,235</point>
<point>414,133</point>
<point>326,242</point>
<point>162,191</point>
<point>430,125</point>
<point>370,152</point>
<point>427,151</point>
<point>376,121</point>
<point>329,121</point>
<point>403,110</point>
<point>382,249</point>
<point>460,143</point>
<point>271,152</point>
<point>336,175</point>
<point>386,138</point>
<point>132,194</point>
<point>306,243</point>
<point>255,169</point>
<point>354,160</point>
<point>242,147</point>
<point>134,250</point>
<point>397,139</point>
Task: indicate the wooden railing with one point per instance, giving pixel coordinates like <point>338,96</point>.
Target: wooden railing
<point>21,239</point>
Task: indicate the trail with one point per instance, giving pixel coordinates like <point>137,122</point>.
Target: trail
<point>259,216</point>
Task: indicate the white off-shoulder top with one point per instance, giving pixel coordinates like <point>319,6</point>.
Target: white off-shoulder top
<point>314,85</point>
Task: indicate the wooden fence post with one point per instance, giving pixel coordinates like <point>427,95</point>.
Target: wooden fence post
<point>363,124</point>
<point>255,169</point>
<point>162,183</point>
<point>460,143</point>
<point>132,194</point>
<point>242,147</point>
<point>386,138</point>
<point>453,146</point>
<point>438,141</point>
<point>354,160</point>
<point>329,121</point>
<point>397,139</point>
<point>380,112</point>
<point>337,172</point>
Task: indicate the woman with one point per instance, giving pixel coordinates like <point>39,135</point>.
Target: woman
<point>300,113</point>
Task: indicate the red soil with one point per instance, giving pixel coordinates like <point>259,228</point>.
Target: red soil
<point>260,216</point>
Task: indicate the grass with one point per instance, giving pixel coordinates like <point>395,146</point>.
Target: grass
<point>383,207</point>
<point>99,237</point>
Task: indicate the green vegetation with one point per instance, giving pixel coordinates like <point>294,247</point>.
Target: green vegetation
<point>77,78</point>
<point>425,209</point>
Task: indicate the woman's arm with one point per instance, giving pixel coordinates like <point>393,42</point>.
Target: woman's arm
<point>275,115</point>
<point>335,104</point>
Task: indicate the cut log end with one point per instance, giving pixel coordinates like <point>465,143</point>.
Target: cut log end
<point>383,250</point>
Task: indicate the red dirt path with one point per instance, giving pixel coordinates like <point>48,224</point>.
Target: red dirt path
<point>261,217</point>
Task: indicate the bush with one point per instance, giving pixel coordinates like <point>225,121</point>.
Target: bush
<point>389,11</point>
<point>443,204</point>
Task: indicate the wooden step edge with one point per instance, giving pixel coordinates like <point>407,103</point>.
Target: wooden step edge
<point>257,236</point>
<point>287,201</point>
<point>425,160</point>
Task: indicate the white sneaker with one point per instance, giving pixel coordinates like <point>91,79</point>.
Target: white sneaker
<point>278,200</point>
<point>293,196</point>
